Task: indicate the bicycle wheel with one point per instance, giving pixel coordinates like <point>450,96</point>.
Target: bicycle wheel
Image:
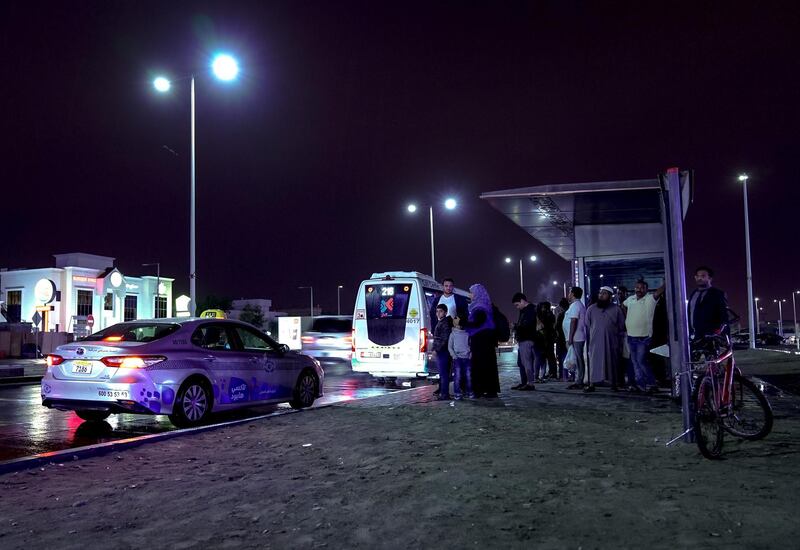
<point>750,416</point>
<point>706,423</point>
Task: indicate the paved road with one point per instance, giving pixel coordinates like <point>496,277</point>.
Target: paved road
<point>27,428</point>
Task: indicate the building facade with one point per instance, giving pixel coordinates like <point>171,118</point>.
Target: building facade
<point>83,293</point>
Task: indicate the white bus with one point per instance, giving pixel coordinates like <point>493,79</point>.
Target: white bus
<point>392,325</point>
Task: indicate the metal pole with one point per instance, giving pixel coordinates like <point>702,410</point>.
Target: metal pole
<point>794,310</point>
<point>192,267</point>
<point>433,258</point>
<point>751,317</point>
<point>521,284</point>
<point>780,318</point>
<point>338,301</point>
<point>565,289</point>
<point>312,301</point>
<point>758,320</point>
<point>158,285</point>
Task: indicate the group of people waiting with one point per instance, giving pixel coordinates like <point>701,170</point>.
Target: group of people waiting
<point>606,343</point>
<point>591,342</point>
<point>464,342</point>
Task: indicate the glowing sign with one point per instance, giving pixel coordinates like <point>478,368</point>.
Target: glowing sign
<point>116,279</point>
<point>45,291</point>
<point>82,279</point>
<point>387,291</point>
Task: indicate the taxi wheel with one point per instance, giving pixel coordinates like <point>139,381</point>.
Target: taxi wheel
<point>193,404</point>
<point>305,391</point>
<point>93,416</point>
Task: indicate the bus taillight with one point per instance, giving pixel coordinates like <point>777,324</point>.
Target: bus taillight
<point>423,340</point>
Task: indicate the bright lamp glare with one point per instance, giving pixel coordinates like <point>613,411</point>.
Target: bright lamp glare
<point>225,67</point>
<point>743,177</point>
<point>450,204</point>
<point>162,84</point>
<point>555,282</point>
<point>412,208</point>
<point>508,260</point>
<point>533,258</point>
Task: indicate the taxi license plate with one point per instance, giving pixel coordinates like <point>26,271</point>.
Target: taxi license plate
<point>81,367</point>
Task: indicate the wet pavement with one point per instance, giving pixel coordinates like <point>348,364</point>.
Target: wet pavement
<point>27,428</point>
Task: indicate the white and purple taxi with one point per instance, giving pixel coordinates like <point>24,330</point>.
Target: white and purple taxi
<point>185,368</point>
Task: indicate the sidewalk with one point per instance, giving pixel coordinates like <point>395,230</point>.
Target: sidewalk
<point>16,371</point>
<point>544,469</point>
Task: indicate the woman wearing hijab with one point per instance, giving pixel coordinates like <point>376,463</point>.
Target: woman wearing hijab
<point>480,326</point>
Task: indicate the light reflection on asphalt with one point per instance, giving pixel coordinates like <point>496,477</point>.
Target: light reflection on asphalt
<point>27,428</point>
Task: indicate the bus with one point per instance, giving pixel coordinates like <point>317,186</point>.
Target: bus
<point>392,325</point>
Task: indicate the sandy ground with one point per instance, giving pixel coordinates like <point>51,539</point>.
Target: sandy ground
<point>540,469</point>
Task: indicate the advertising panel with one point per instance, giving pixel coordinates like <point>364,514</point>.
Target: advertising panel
<point>289,332</point>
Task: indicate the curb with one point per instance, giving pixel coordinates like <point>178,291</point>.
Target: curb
<point>99,449</point>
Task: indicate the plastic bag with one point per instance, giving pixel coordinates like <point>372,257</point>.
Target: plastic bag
<point>571,360</point>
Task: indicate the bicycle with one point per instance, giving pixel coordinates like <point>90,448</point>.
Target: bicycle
<point>723,399</point>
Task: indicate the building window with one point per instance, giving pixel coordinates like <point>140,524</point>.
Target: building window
<point>160,307</point>
<point>84,303</point>
<point>14,306</point>
<point>130,308</point>
<point>108,302</point>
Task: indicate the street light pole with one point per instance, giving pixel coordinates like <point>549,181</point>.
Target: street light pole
<point>750,301</point>
<point>433,257</point>
<point>794,311</point>
<point>311,288</point>
<point>758,321</point>
<point>338,300</point>
<point>192,228</point>
<point>780,315</point>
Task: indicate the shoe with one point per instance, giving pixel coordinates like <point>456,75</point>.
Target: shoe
<point>634,389</point>
<point>589,388</point>
<point>443,398</point>
<point>530,387</point>
<point>490,396</point>
<point>575,387</point>
<point>436,393</point>
<point>652,390</point>
<point>471,396</point>
<point>458,397</point>
<point>518,387</point>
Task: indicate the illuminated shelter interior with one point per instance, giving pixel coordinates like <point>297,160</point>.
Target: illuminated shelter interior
<point>613,229</point>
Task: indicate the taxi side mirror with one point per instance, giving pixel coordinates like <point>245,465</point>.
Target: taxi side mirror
<point>283,349</point>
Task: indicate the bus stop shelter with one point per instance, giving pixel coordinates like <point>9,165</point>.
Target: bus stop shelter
<point>614,233</point>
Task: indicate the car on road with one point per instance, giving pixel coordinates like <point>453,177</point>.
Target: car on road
<point>329,338</point>
<point>186,368</point>
<point>741,339</point>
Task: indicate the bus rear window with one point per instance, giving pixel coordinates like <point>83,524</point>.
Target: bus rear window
<point>388,301</point>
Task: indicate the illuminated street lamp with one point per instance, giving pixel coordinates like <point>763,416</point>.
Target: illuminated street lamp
<point>750,308</point>
<point>780,315</point>
<point>311,288</point>
<point>555,283</point>
<point>449,204</point>
<point>521,283</point>
<point>225,68</point>
<point>338,301</point>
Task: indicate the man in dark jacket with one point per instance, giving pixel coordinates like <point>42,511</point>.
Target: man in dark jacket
<point>708,307</point>
<point>526,332</point>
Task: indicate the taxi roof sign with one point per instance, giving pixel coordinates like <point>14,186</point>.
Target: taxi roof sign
<point>214,314</point>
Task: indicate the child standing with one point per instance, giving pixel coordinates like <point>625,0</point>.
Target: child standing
<point>458,346</point>
<point>441,337</point>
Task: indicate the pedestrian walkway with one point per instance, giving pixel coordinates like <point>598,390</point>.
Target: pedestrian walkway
<point>15,371</point>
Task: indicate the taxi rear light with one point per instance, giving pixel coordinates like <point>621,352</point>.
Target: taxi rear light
<point>112,339</point>
<point>423,340</point>
<point>53,360</point>
<point>132,361</point>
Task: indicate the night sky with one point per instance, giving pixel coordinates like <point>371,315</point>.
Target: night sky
<point>346,111</point>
